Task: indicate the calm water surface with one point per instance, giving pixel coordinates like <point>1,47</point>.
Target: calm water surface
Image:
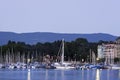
<point>43,74</point>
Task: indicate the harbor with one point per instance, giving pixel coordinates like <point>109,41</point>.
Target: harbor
<point>30,61</point>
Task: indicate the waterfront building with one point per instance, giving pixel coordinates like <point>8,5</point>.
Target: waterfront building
<point>110,53</point>
<point>100,51</point>
<point>107,51</point>
<point>118,47</point>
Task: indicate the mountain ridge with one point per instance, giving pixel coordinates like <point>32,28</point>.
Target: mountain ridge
<point>34,37</point>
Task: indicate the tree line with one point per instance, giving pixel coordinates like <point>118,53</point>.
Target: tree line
<point>78,50</point>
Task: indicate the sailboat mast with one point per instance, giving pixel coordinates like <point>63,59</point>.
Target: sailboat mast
<point>90,56</point>
<point>62,57</point>
<point>1,58</point>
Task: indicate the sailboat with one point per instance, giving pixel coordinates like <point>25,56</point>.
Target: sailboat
<point>93,64</point>
<point>92,60</point>
<point>62,64</point>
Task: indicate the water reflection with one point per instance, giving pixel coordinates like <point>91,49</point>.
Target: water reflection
<point>119,73</point>
<point>62,74</point>
<point>55,75</point>
<point>28,76</point>
<point>72,74</point>
<point>88,75</point>
<point>82,74</point>
<point>97,74</point>
<point>108,75</point>
<point>46,75</point>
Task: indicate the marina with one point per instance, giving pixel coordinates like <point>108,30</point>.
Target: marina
<point>31,64</point>
<point>30,61</point>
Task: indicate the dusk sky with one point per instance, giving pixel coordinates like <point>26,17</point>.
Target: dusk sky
<point>60,16</point>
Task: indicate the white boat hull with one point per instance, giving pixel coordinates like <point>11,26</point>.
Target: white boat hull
<point>63,67</point>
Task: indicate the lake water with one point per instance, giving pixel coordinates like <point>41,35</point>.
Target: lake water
<point>45,74</point>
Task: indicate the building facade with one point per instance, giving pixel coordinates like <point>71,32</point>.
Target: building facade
<point>118,47</point>
<point>108,51</point>
<point>100,51</point>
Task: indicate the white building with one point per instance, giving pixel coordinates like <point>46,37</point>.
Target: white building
<point>100,51</point>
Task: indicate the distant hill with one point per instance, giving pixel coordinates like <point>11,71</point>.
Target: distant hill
<point>33,38</point>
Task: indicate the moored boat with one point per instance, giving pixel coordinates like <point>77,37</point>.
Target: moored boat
<point>62,64</point>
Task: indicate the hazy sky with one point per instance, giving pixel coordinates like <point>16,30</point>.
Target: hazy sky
<point>62,16</point>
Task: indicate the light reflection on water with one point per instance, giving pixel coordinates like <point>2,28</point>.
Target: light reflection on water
<point>45,74</point>
<point>28,78</point>
<point>97,74</point>
<point>83,75</point>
